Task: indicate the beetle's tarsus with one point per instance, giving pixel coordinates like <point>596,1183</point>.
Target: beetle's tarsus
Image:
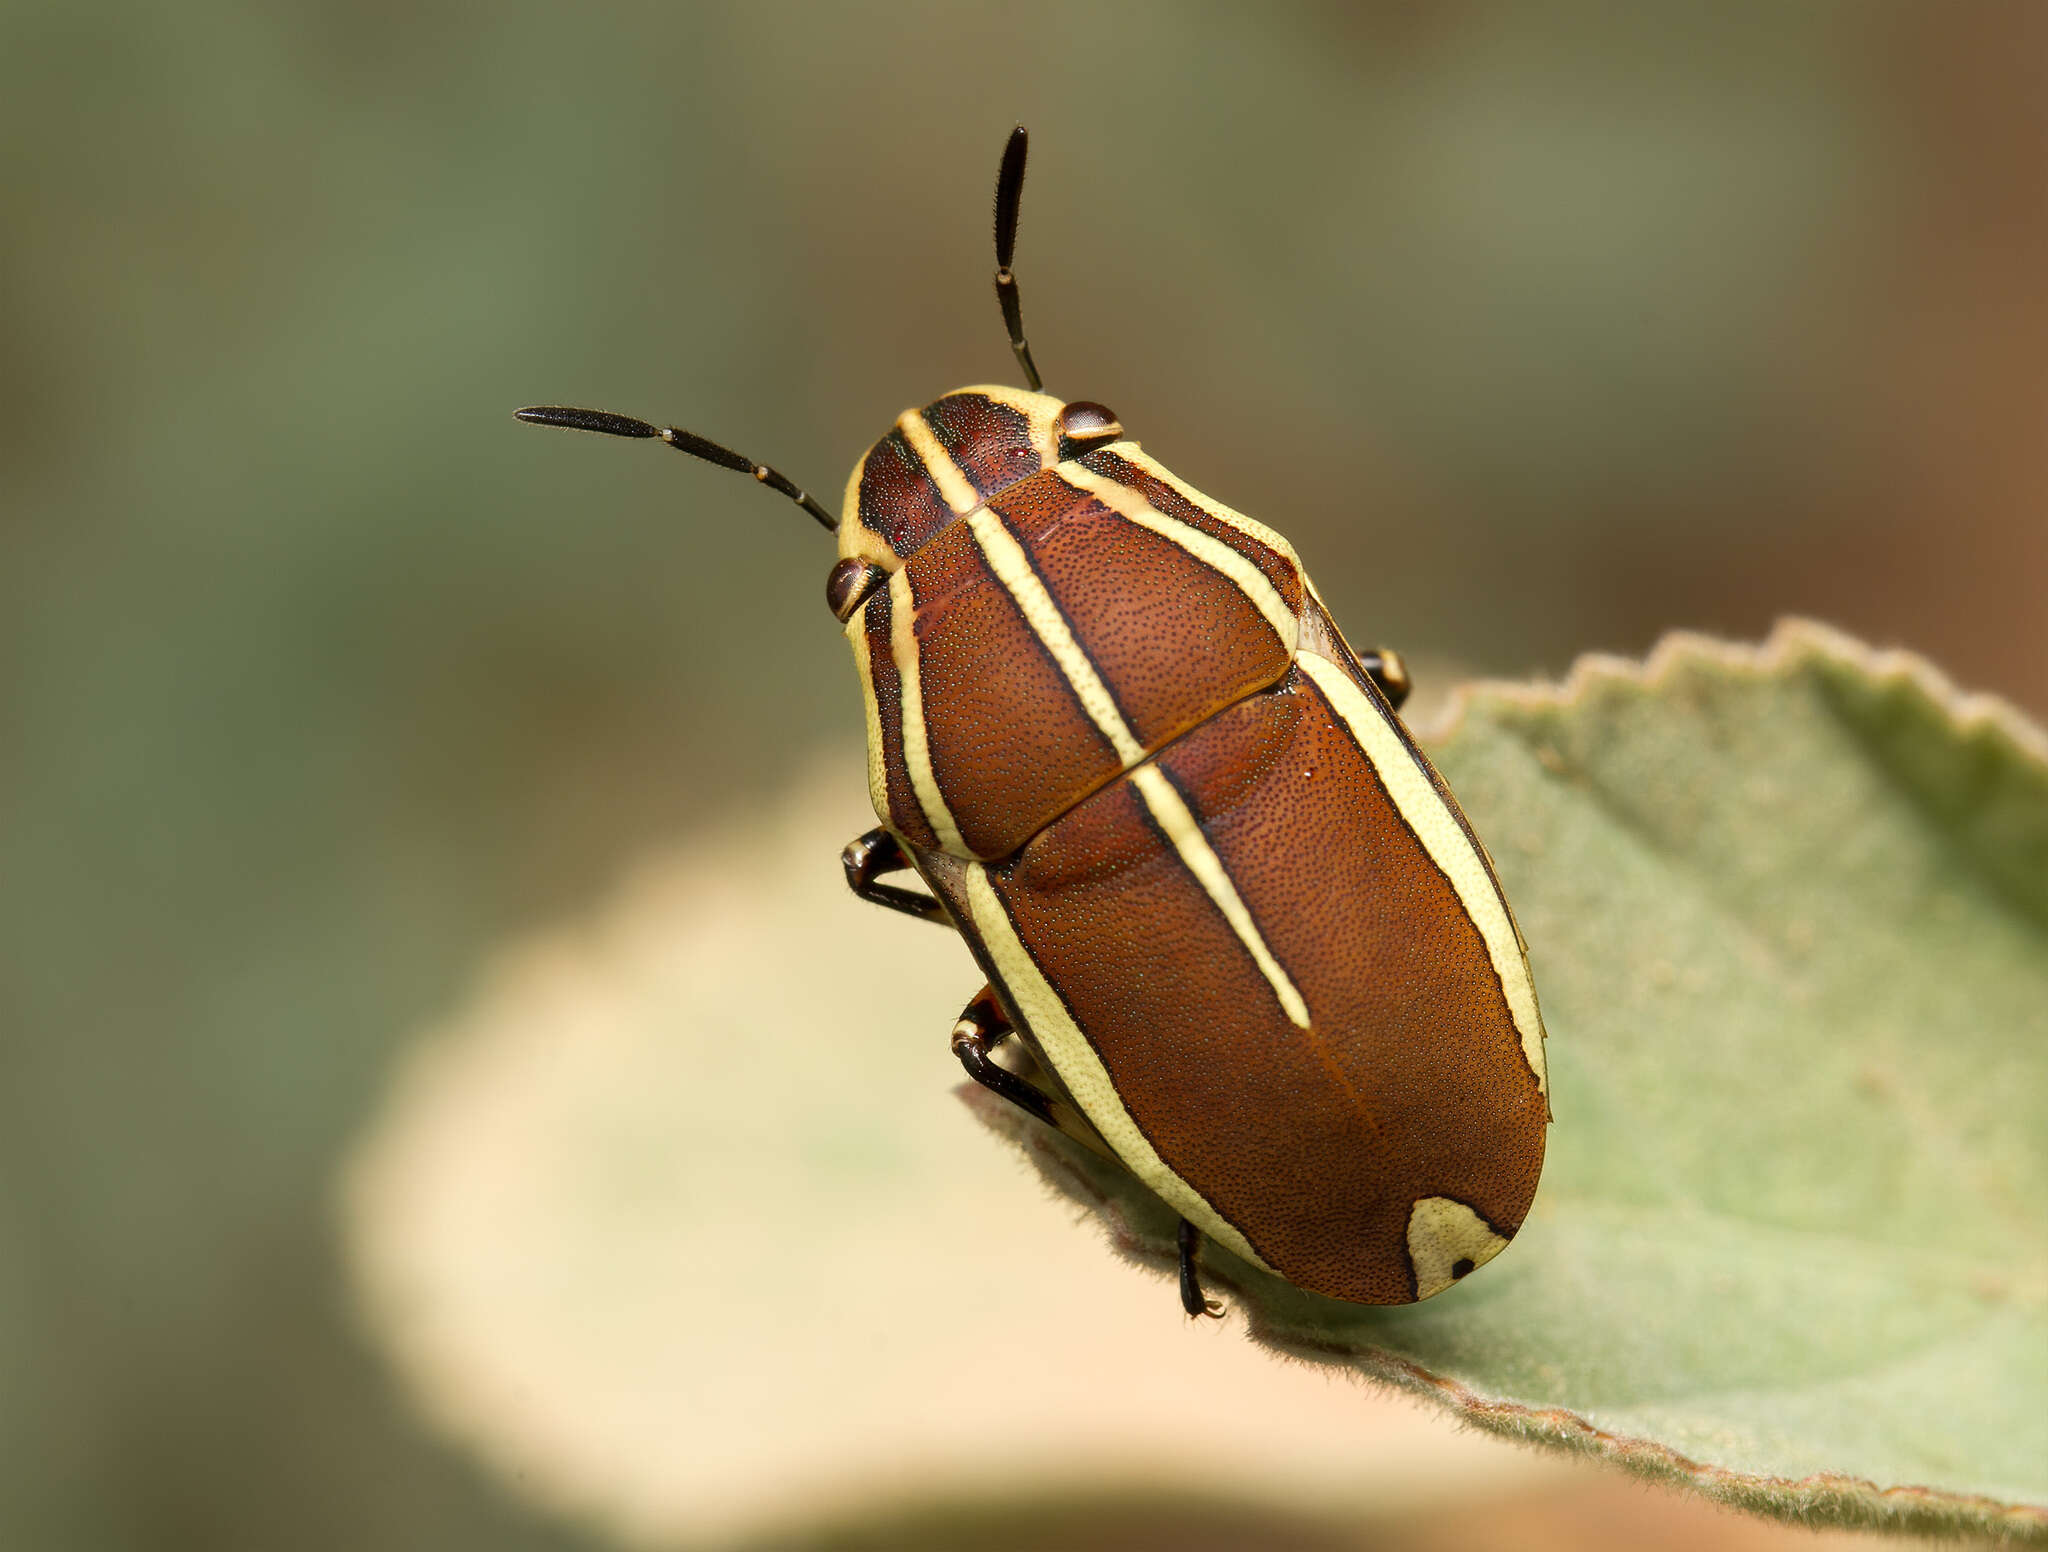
<point>1192,1298</point>
<point>982,1026</point>
<point>867,858</point>
<point>1384,667</point>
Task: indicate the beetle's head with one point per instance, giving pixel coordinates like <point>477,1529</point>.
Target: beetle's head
<point>944,460</point>
<point>941,462</point>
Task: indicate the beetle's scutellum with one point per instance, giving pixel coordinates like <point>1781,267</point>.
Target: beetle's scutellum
<point>1231,912</point>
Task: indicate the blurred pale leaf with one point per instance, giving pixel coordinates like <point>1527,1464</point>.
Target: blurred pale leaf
<point>1788,910</point>
<point>677,1224</point>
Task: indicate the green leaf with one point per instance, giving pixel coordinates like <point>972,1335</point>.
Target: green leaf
<point>1788,912</point>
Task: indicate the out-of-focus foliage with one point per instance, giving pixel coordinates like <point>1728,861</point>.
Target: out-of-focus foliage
<point>1789,915</point>
<point>1539,328</point>
<point>684,1241</point>
<point>1600,1514</point>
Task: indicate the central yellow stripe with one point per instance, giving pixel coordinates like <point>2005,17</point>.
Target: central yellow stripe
<point>1447,844</point>
<point>959,494</point>
<point>1006,558</point>
<point>1200,857</point>
<point>1206,548</point>
<point>1081,1069</point>
<point>917,755</point>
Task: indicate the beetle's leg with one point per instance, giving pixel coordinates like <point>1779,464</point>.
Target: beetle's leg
<point>1383,666</point>
<point>1191,1297</point>
<point>868,858</point>
<point>982,1026</point>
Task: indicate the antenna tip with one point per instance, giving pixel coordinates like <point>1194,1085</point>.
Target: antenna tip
<point>601,421</point>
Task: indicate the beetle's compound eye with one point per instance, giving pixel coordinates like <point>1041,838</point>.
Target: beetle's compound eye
<point>1085,425</point>
<point>848,586</point>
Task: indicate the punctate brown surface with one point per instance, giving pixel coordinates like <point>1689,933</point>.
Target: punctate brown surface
<point>1315,1143</point>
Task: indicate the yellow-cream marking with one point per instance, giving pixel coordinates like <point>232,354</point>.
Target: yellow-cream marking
<point>1040,410</point>
<point>1447,844</point>
<point>857,541</point>
<point>1441,1233</point>
<point>917,755</point>
<point>1007,560</point>
<point>960,495</point>
<point>1201,860</point>
<point>1131,453</point>
<point>878,778</point>
<point>1206,548</point>
<point>1081,1070</point>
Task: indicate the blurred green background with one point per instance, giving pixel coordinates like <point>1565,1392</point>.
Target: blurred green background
<point>1539,329</point>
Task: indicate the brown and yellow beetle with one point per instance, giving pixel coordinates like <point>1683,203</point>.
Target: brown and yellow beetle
<point>1231,911</point>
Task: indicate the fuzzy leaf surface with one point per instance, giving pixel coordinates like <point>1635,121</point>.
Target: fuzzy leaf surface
<point>1787,909</point>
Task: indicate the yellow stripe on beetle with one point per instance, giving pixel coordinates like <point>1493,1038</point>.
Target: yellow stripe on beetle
<point>1228,516</point>
<point>1206,548</point>
<point>1447,844</point>
<point>863,662</point>
<point>1081,1070</point>
<point>954,487</point>
<point>917,754</point>
<point>1040,412</point>
<point>1006,558</point>
<point>857,541</point>
<point>1200,858</point>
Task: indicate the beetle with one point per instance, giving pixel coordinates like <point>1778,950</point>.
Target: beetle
<point>1237,933</point>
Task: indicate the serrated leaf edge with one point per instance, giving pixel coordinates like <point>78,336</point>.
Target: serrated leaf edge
<point>1793,641</point>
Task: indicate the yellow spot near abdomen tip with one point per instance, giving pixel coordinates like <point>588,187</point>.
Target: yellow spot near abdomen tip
<point>1446,1241</point>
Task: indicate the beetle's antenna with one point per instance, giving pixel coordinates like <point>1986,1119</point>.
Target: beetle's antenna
<point>683,442</point>
<point>1010,195</point>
